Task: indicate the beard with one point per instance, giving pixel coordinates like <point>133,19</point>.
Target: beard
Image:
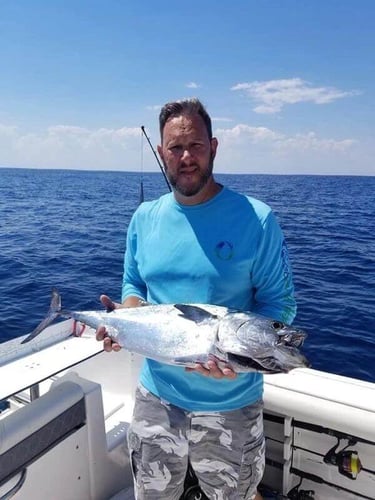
<point>193,188</point>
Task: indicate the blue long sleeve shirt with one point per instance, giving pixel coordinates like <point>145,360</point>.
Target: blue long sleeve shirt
<point>228,251</point>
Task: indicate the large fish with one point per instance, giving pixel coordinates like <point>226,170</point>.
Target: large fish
<point>186,334</point>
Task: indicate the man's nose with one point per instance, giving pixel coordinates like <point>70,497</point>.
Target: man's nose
<point>186,154</point>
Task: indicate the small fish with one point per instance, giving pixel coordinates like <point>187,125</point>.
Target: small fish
<point>186,334</point>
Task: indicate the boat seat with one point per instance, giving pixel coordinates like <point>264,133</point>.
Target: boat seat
<point>37,427</point>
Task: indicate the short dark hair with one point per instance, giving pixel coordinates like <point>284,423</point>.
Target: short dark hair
<point>184,107</point>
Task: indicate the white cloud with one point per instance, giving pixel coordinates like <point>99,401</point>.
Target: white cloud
<point>270,96</point>
<point>7,130</point>
<point>310,142</point>
<point>241,133</point>
<point>192,85</point>
<point>63,146</point>
<point>242,148</point>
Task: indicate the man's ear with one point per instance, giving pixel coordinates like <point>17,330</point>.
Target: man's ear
<point>214,145</point>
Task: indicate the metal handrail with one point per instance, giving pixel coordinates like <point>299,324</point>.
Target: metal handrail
<point>16,487</point>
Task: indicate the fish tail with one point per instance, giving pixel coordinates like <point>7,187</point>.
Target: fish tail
<point>53,312</point>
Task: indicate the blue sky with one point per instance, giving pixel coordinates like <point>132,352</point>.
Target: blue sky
<point>289,83</point>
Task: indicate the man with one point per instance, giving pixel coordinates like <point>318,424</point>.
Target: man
<point>203,243</point>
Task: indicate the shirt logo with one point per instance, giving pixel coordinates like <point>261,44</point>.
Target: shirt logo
<point>224,250</point>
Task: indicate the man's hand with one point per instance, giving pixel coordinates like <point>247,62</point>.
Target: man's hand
<point>211,369</point>
<point>101,333</point>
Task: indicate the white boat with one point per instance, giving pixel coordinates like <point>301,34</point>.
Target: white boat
<point>66,406</point>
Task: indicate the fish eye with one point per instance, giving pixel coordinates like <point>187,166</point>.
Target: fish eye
<point>277,325</point>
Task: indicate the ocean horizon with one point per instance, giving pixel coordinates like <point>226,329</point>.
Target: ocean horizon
<point>157,172</point>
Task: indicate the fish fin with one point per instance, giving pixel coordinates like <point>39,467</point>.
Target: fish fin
<point>141,303</point>
<point>53,312</point>
<point>195,313</point>
<point>190,361</point>
<point>182,361</point>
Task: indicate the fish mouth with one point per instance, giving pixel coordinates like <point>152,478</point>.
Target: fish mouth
<point>291,359</point>
<point>250,364</point>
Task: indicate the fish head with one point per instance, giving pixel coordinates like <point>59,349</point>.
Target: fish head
<point>255,343</point>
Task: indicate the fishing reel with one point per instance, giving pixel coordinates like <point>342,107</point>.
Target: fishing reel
<point>347,461</point>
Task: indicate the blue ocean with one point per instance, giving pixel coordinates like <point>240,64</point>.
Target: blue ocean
<point>67,229</point>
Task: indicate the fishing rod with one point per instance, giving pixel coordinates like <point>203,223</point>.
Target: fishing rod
<point>157,159</point>
<point>141,194</point>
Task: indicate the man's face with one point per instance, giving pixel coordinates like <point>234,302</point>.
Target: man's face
<point>187,154</point>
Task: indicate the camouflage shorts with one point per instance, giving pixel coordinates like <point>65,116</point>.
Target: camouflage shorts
<point>226,449</point>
